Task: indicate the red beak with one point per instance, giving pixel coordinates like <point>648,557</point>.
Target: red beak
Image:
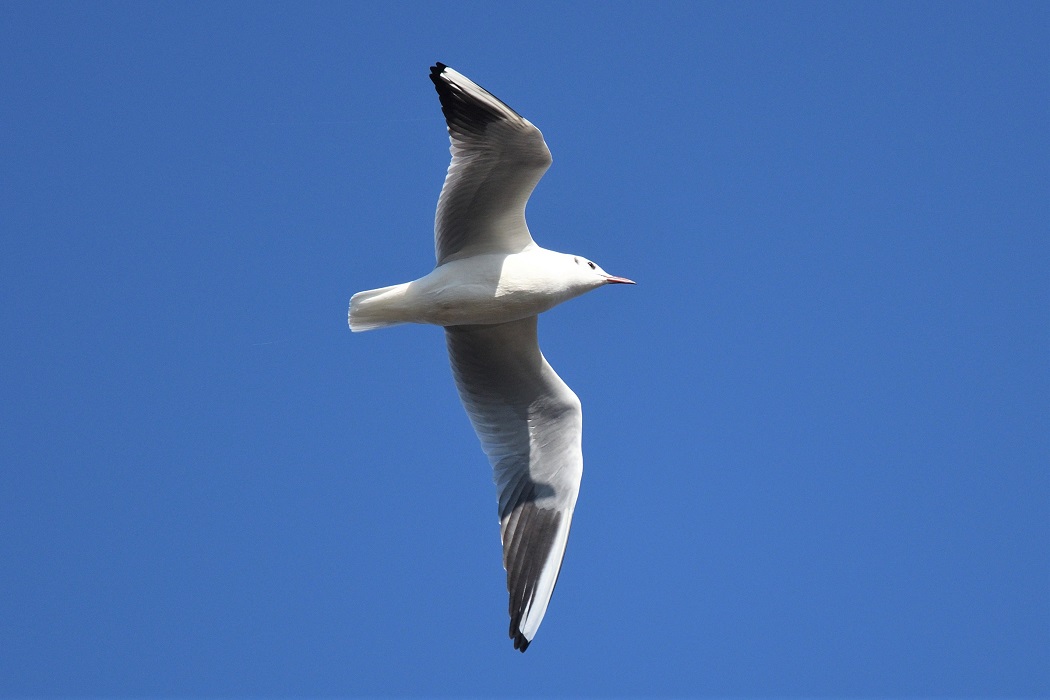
<point>610,279</point>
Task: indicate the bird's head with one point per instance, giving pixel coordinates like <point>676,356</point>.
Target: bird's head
<point>591,275</point>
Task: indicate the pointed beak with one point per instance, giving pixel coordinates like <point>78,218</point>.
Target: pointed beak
<point>611,279</point>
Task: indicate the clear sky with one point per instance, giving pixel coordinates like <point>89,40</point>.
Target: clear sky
<point>817,432</point>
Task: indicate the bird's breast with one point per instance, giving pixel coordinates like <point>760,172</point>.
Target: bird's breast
<point>484,289</point>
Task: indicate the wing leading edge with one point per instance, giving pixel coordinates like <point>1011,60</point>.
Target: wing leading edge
<point>497,159</point>
<point>530,426</point>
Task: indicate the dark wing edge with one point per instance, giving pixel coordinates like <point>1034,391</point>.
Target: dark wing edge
<point>529,423</point>
<point>498,157</point>
<point>467,114</point>
<point>527,555</point>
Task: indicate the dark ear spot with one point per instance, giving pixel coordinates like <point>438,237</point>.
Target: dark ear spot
<point>576,260</point>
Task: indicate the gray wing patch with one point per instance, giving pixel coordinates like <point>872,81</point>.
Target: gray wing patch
<point>497,159</point>
<point>529,423</point>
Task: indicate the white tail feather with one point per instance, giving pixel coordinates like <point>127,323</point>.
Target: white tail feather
<point>377,308</point>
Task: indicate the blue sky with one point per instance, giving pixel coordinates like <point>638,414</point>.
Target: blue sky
<point>817,432</point>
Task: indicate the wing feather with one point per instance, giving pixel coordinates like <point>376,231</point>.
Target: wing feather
<point>530,424</point>
<point>497,159</point>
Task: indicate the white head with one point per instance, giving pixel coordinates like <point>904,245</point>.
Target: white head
<point>590,275</point>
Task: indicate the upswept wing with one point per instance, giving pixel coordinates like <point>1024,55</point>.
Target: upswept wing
<point>497,159</point>
<point>529,423</point>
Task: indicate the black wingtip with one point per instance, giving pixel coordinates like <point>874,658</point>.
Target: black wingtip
<point>520,643</point>
<point>464,113</point>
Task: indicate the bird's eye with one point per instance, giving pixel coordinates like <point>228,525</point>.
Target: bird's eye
<point>593,266</point>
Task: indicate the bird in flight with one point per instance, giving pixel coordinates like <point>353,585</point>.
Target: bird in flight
<point>490,282</point>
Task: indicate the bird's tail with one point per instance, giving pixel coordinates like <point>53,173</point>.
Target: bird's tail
<point>377,308</point>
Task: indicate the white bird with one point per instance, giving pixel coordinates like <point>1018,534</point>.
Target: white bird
<point>490,282</point>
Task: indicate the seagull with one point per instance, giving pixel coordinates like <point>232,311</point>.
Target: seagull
<point>490,283</point>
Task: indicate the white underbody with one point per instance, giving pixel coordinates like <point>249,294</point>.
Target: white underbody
<point>481,289</point>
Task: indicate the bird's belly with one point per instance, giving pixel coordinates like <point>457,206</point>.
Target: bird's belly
<point>480,304</point>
